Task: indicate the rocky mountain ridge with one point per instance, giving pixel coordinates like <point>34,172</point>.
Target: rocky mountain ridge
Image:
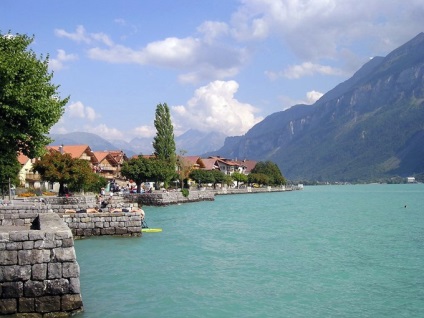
<point>370,126</point>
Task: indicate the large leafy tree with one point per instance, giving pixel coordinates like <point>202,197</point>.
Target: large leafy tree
<point>138,169</point>
<point>239,177</point>
<point>76,174</point>
<point>29,103</point>
<point>271,170</point>
<point>9,169</point>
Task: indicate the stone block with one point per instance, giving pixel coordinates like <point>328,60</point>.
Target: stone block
<point>47,256</point>
<point>121,231</point>
<point>68,242</point>
<point>74,285</point>
<point>70,269</point>
<point>39,271</point>
<point>28,245</point>
<point>26,305</point>
<point>8,306</point>
<point>108,231</point>
<point>33,288</point>
<point>71,302</point>
<point>4,236</point>
<point>30,257</point>
<point>12,289</point>
<point>2,246</point>
<point>13,246</point>
<point>65,234</point>
<point>8,258</point>
<point>54,270</point>
<point>15,273</point>
<point>57,286</point>
<point>64,254</point>
<point>36,235</point>
<point>18,236</point>
<point>47,304</point>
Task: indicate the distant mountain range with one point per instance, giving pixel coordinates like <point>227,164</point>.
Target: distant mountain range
<point>368,127</point>
<point>192,142</point>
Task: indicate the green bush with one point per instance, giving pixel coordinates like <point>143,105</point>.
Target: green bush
<point>185,192</point>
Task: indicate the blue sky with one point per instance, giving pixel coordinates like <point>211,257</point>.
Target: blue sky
<point>220,65</point>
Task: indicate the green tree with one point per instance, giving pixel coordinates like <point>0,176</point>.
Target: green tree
<point>164,143</point>
<point>9,169</point>
<point>258,178</point>
<point>239,177</point>
<point>76,174</point>
<point>29,103</point>
<point>270,169</point>
<point>218,177</point>
<point>138,169</point>
<point>162,170</point>
<point>202,176</point>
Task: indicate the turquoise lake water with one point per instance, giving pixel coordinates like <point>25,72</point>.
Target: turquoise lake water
<point>325,251</point>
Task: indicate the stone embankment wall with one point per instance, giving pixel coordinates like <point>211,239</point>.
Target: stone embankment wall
<point>245,190</point>
<point>39,274</point>
<point>96,224</point>
<point>167,198</point>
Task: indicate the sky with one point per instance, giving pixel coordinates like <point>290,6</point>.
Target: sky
<point>221,65</point>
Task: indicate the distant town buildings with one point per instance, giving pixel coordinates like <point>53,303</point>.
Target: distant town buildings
<point>108,164</point>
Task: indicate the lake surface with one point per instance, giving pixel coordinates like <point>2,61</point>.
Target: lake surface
<point>325,251</point>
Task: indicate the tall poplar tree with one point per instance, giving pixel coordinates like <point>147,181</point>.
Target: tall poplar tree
<point>164,144</point>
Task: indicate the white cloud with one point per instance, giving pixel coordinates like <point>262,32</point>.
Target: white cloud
<point>323,29</point>
<point>79,110</point>
<point>145,131</point>
<point>214,108</point>
<point>212,30</point>
<point>81,36</point>
<point>58,63</point>
<point>105,132</point>
<point>197,59</point>
<point>304,69</point>
<point>312,97</point>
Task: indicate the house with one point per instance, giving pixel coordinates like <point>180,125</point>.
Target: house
<point>27,177</point>
<point>77,152</point>
<point>106,166</point>
<point>248,165</point>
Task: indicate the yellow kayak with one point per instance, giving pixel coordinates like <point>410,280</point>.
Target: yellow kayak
<point>149,230</point>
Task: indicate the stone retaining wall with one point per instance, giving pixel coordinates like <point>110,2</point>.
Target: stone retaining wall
<point>39,274</point>
<point>167,198</point>
<point>96,224</point>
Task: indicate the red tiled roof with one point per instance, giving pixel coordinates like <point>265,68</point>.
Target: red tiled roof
<point>22,159</point>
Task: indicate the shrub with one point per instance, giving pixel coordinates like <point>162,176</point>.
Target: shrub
<point>185,192</point>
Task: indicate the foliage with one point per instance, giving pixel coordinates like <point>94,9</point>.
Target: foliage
<point>239,177</point>
<point>163,170</point>
<point>164,146</point>
<point>184,167</point>
<point>258,178</point>
<point>9,168</point>
<point>271,170</point>
<point>202,176</point>
<point>164,142</point>
<point>218,177</point>
<point>62,168</point>
<point>185,192</point>
<point>138,169</point>
<point>29,103</point>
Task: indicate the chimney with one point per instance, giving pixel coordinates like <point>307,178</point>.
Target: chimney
<point>61,149</point>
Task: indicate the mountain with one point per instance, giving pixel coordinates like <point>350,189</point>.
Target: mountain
<point>195,142</point>
<point>95,142</point>
<point>366,128</point>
